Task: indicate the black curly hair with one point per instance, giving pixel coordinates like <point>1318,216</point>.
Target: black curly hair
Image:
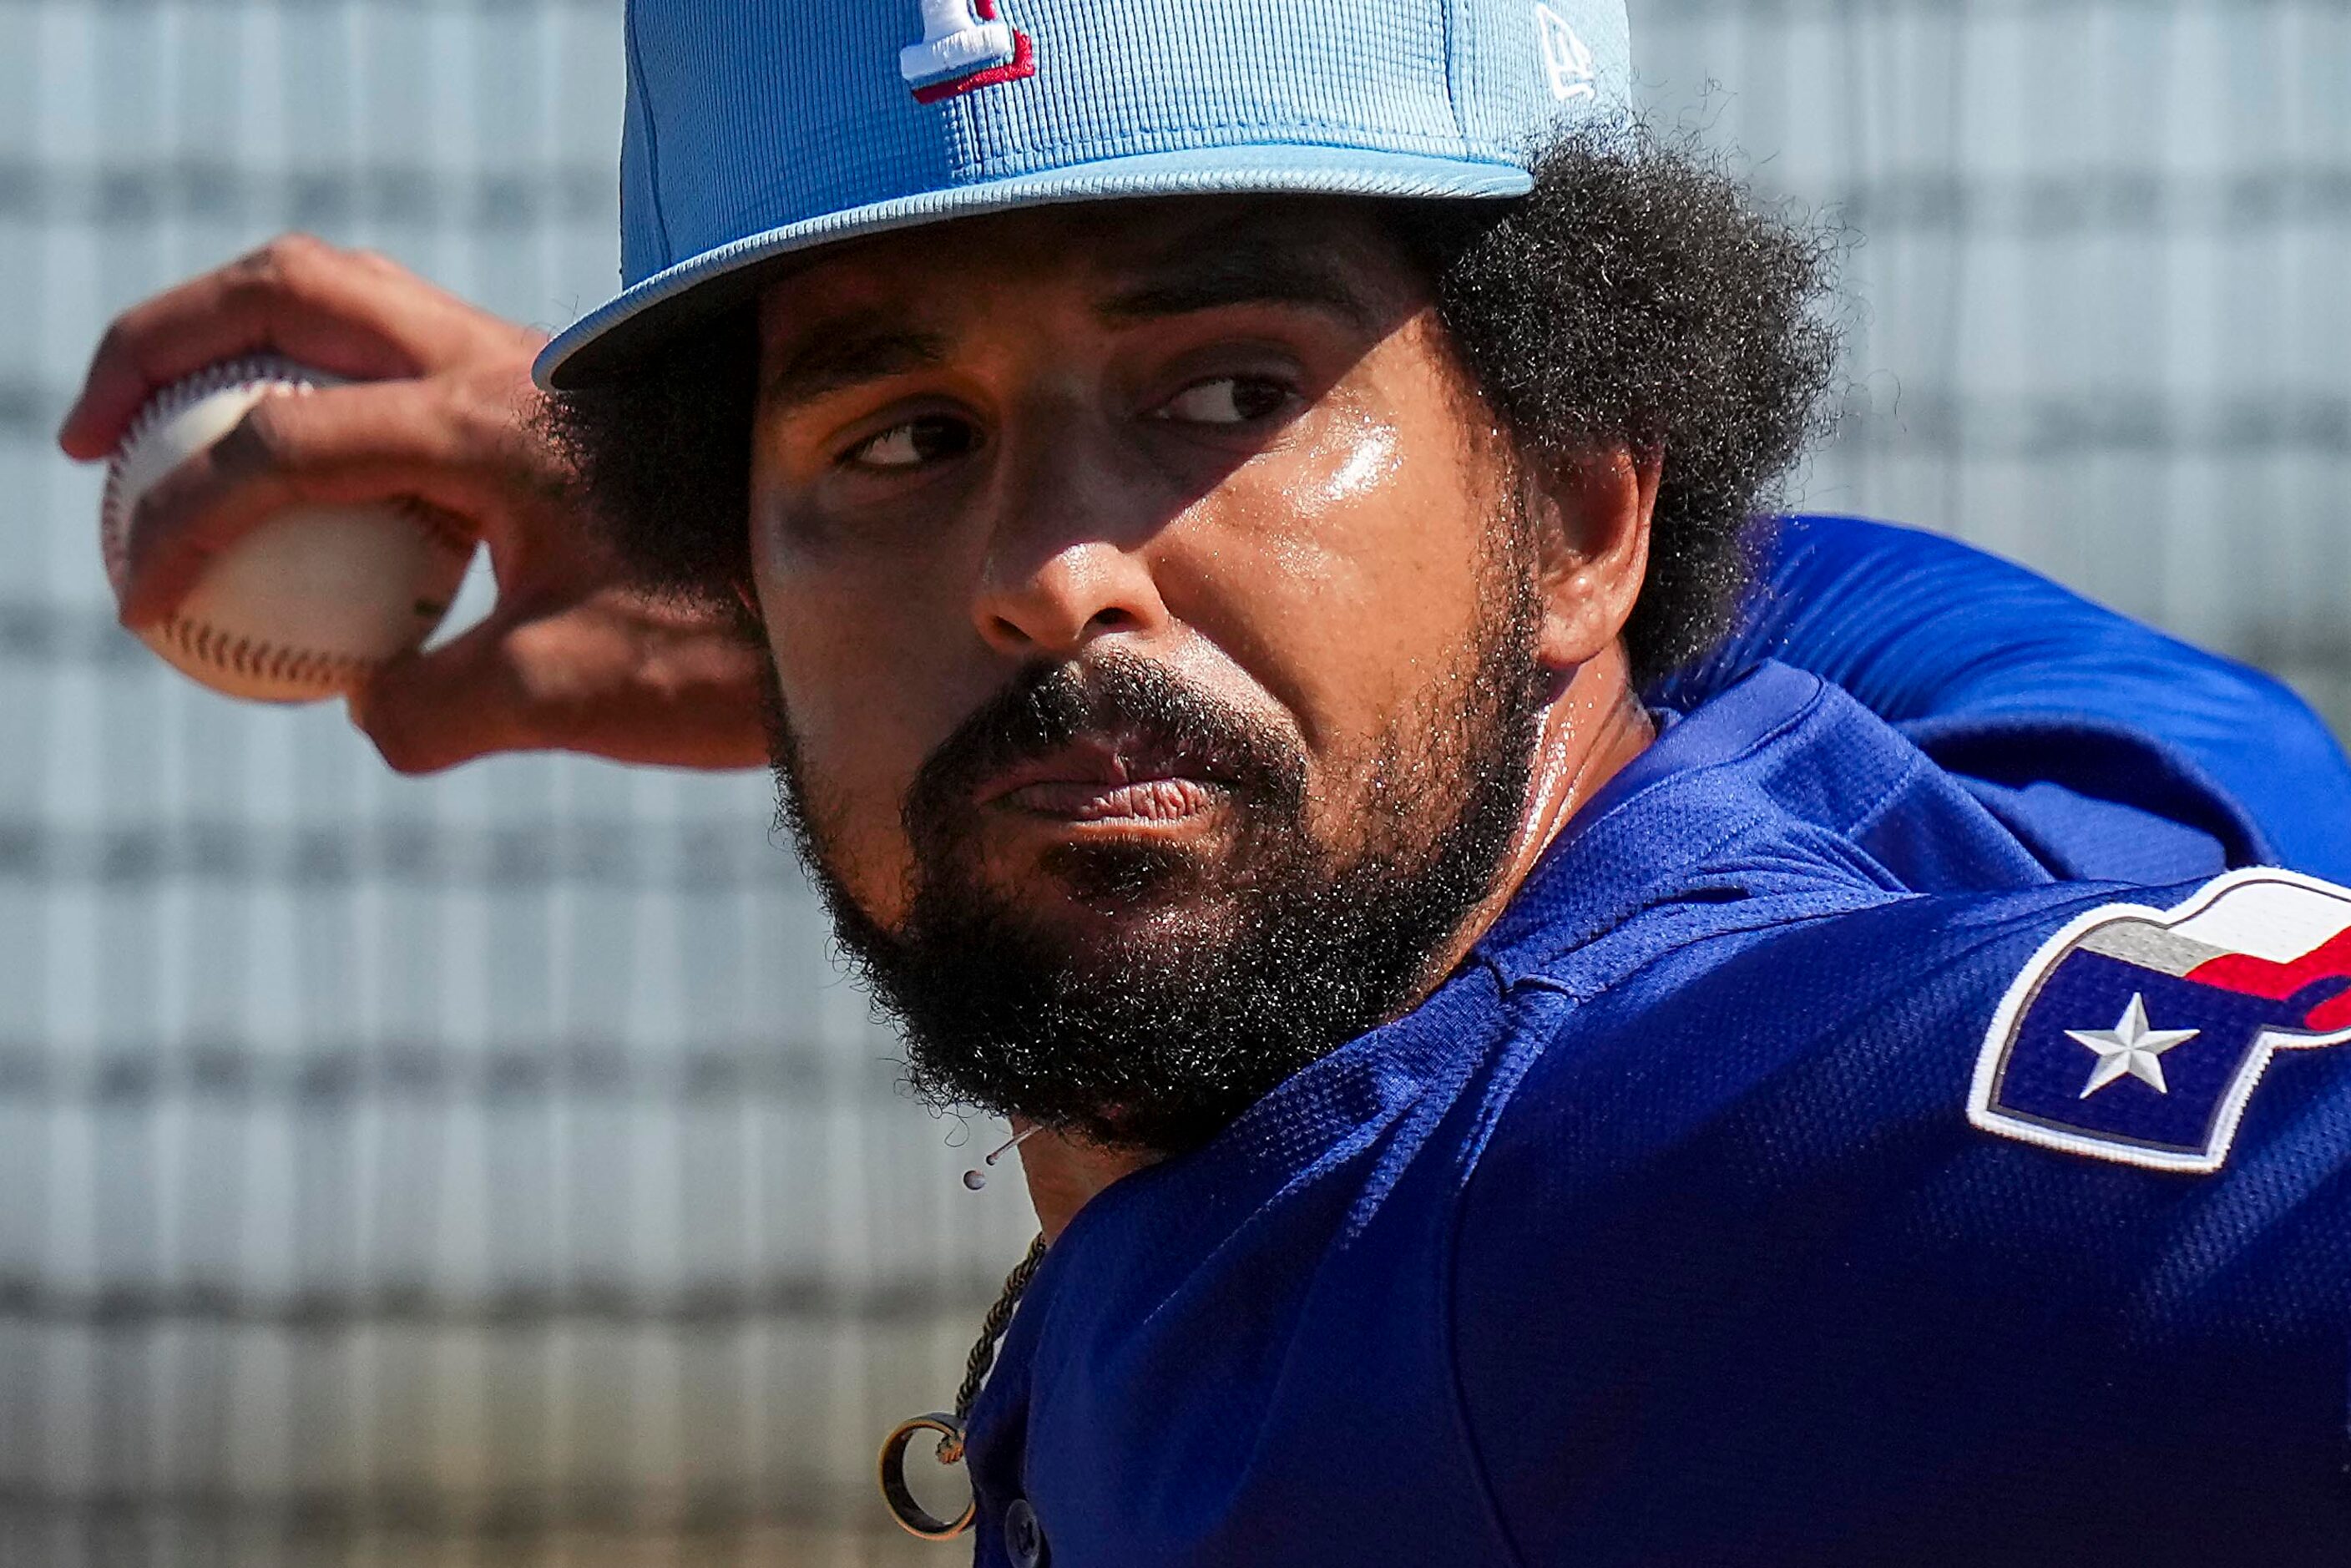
<point>1635,295</point>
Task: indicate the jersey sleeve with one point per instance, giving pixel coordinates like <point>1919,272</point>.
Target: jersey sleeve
<point>1740,1276</point>
<point>2112,751</point>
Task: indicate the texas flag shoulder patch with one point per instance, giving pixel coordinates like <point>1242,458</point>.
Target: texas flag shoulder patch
<point>2138,1034</point>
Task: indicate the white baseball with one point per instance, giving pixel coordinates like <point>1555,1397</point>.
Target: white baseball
<point>310,603</point>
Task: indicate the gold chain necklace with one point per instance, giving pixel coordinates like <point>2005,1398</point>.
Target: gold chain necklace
<point>911,1515</point>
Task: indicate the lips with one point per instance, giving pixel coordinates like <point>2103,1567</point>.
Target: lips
<point>1126,781</point>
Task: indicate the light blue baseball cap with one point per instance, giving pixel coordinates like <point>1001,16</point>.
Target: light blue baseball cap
<point>759,127</point>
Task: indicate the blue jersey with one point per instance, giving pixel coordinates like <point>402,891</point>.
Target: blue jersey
<point>2050,709</point>
<point>1869,1137</point>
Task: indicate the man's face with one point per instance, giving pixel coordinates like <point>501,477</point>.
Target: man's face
<point>1153,629</point>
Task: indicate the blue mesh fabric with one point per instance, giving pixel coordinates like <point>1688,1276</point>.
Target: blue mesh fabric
<point>754,128</point>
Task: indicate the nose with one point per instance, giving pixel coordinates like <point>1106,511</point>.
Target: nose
<point>1069,556</point>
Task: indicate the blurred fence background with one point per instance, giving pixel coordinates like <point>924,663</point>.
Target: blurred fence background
<point>496,1169</point>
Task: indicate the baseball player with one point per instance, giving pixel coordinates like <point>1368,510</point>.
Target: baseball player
<point>1556,1025</point>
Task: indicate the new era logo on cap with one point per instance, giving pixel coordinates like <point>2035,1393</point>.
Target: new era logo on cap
<point>964,45</point>
<point>1567,61</point>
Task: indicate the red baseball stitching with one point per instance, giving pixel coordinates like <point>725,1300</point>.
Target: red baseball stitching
<point>322,672</point>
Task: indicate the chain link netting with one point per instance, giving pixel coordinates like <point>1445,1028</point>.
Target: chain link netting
<point>497,1168</point>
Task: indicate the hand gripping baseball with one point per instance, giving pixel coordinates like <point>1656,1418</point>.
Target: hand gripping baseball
<point>438,411</point>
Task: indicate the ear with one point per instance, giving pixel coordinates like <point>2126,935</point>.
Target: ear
<point>1592,521</point>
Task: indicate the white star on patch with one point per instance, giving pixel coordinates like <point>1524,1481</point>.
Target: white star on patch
<point>2132,1047</point>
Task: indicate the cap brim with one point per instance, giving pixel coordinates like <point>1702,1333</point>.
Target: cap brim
<point>602,343</point>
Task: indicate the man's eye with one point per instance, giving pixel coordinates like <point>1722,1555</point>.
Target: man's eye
<point>930,439</point>
<point>1227,400</point>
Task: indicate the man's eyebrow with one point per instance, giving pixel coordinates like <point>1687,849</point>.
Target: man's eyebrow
<point>1258,270</point>
<point>837,355</point>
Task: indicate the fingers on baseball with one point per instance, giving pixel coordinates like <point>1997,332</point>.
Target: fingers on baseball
<point>351,312</point>
<point>334,446</point>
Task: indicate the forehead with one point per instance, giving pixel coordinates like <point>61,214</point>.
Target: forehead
<point>1096,250</point>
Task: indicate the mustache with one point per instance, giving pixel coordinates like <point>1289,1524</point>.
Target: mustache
<point>1139,704</point>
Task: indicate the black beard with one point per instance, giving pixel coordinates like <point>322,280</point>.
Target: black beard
<point>1252,970</point>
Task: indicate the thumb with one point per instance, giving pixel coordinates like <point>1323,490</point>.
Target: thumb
<point>607,677</point>
<point>429,710</point>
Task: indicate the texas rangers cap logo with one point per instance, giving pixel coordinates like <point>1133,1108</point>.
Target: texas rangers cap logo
<point>964,45</point>
<point>2139,1034</point>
